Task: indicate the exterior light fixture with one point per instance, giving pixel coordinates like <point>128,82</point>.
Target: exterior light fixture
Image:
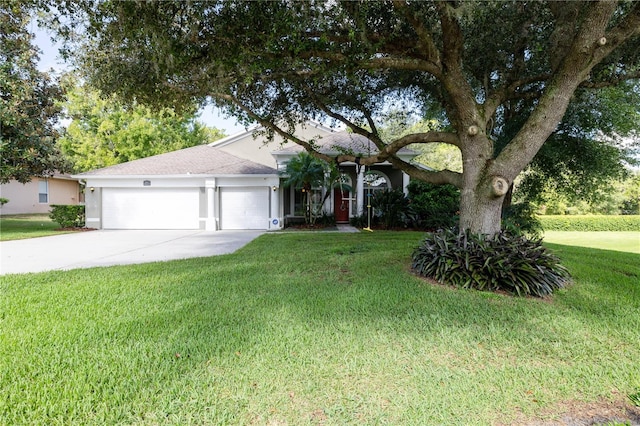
<point>92,189</point>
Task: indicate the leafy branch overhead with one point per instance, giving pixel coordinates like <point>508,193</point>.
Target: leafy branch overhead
<point>282,63</point>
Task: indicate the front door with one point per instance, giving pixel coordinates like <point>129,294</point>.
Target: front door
<point>341,205</point>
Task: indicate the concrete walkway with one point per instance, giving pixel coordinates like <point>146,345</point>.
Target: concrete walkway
<point>106,248</point>
<point>347,228</point>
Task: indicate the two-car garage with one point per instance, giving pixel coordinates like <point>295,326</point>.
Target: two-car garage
<point>185,208</point>
<point>194,188</point>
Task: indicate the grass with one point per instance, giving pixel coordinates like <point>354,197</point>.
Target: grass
<point>618,241</point>
<point>310,329</point>
<point>18,227</point>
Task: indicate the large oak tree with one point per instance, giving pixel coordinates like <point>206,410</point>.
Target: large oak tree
<point>283,62</point>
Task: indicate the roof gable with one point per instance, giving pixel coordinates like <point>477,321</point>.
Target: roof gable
<point>256,148</point>
<point>342,142</point>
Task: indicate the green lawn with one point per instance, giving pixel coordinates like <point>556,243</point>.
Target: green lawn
<point>619,241</point>
<point>311,329</point>
<point>18,227</point>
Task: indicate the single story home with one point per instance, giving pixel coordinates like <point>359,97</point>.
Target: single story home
<point>39,194</point>
<point>232,183</point>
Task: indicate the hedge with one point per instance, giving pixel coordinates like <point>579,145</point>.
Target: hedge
<point>68,216</point>
<point>590,223</point>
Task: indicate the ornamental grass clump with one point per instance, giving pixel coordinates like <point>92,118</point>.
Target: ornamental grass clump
<point>504,262</point>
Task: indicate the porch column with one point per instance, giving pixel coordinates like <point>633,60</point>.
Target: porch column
<point>210,224</point>
<point>275,221</point>
<point>405,183</point>
<point>360,192</point>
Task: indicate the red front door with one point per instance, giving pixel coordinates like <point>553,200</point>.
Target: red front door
<point>341,205</point>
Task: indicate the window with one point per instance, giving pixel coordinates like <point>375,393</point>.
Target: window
<point>43,192</point>
<point>300,200</point>
<point>375,180</point>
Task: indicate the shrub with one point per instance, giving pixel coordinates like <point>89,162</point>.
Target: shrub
<point>505,262</point>
<point>521,219</point>
<point>68,216</point>
<point>362,221</point>
<point>391,207</point>
<point>630,207</point>
<point>3,201</point>
<point>326,219</point>
<point>433,206</point>
<point>590,223</point>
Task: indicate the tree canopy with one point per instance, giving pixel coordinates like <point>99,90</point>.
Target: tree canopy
<point>104,131</point>
<point>28,109</point>
<point>280,63</point>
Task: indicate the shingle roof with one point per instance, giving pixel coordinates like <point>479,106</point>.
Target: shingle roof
<point>201,159</point>
<point>342,142</point>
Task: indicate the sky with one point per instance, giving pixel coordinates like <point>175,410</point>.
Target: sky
<point>49,59</point>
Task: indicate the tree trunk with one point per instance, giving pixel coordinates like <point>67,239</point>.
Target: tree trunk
<point>480,212</point>
<point>483,187</point>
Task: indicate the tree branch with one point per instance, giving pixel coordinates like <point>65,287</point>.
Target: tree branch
<point>510,92</point>
<point>627,28</point>
<point>612,82</point>
<point>354,128</point>
<point>436,177</point>
<point>425,39</point>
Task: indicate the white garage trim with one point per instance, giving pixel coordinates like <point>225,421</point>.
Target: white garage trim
<point>150,208</point>
<point>244,207</point>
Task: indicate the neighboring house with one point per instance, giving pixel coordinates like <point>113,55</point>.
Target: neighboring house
<point>233,183</point>
<point>38,195</point>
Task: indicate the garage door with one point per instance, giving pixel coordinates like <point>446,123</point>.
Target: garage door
<point>244,208</point>
<point>150,208</point>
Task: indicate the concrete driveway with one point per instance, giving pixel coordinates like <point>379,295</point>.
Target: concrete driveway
<point>105,248</point>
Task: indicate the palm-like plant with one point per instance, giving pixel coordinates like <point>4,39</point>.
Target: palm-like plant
<point>305,172</point>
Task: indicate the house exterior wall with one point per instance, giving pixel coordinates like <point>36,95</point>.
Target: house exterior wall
<point>208,188</point>
<point>23,198</point>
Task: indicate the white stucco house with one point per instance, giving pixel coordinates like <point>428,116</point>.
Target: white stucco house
<point>233,183</point>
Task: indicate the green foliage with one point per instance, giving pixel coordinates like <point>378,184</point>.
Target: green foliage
<point>68,216</point>
<point>437,156</point>
<point>590,223</point>
<point>584,157</point>
<point>326,219</point>
<point>433,206</point>
<point>105,131</point>
<point>305,172</point>
<point>521,219</point>
<point>631,193</point>
<point>28,110</point>
<point>3,201</point>
<point>635,397</point>
<point>621,196</point>
<point>390,207</point>
<point>362,221</point>
<point>503,262</point>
